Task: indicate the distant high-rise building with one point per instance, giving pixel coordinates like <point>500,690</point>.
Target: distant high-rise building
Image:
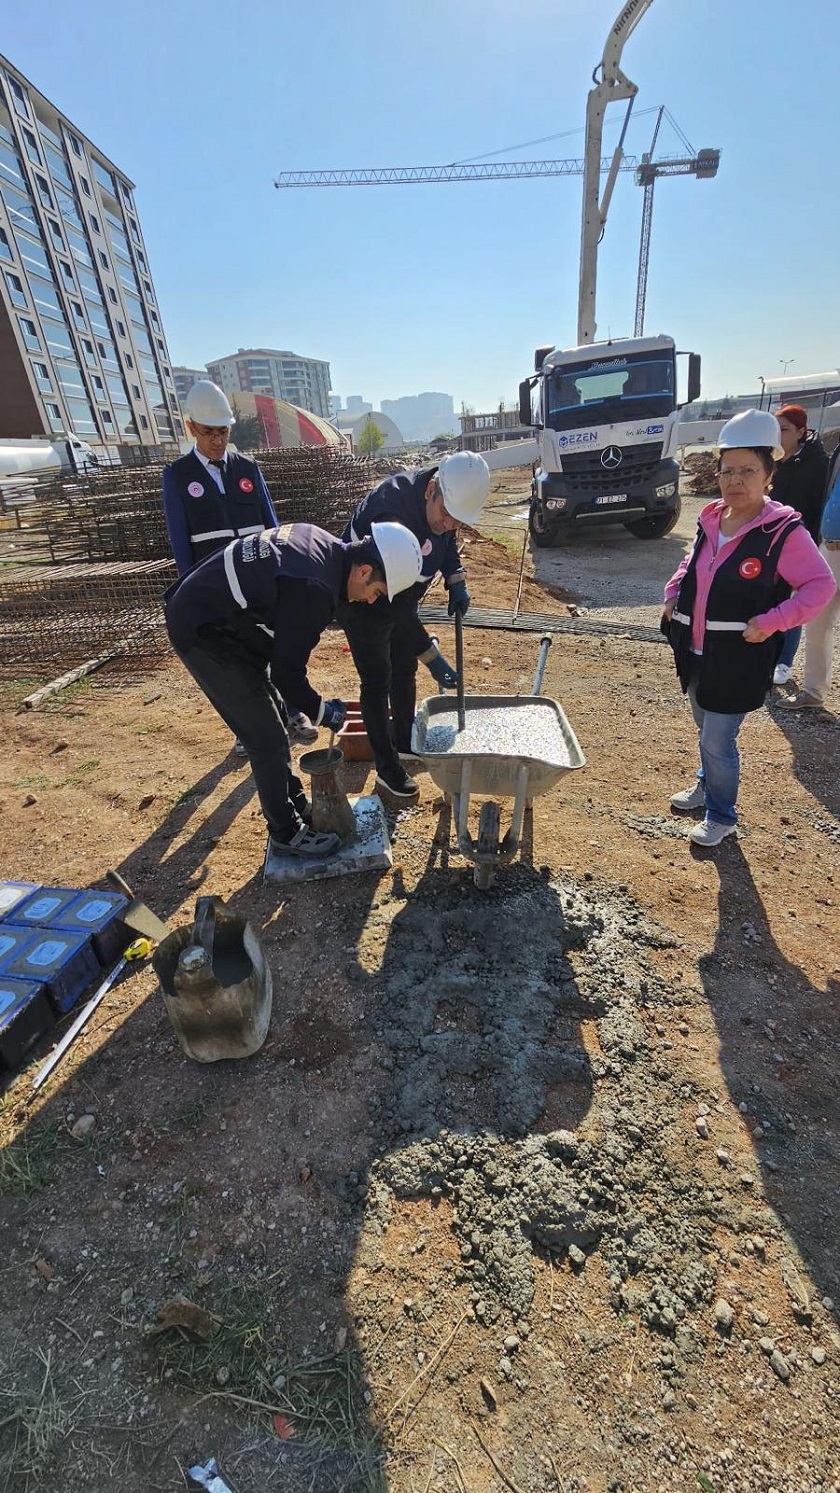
<point>82,346</point>
<point>422,416</point>
<point>356,405</point>
<point>284,375</point>
<point>185,378</point>
<point>335,404</point>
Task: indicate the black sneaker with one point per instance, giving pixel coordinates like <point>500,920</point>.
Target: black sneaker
<point>398,784</point>
<point>308,844</point>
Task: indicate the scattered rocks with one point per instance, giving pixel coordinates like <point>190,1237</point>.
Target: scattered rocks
<point>82,1127</point>
<point>724,1315</point>
<point>146,801</point>
<point>818,1355</point>
<point>701,1125</point>
<point>779,1365</point>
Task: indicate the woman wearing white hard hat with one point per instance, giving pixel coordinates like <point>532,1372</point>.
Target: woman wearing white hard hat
<point>244,623</point>
<point>728,604</point>
<point>388,642</point>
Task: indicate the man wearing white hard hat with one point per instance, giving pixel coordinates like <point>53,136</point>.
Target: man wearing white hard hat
<point>388,641</point>
<point>213,495</point>
<point>244,623</point>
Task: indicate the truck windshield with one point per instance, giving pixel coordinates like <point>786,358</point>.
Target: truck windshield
<point>610,390</point>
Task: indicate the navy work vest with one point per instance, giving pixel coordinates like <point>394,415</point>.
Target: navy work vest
<point>734,676</point>
<point>402,498</point>
<point>214,519</point>
<point>237,587</point>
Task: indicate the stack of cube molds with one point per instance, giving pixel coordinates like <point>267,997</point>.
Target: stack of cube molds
<point>54,942</point>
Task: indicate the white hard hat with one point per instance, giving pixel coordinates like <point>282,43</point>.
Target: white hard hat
<point>401,557</point>
<point>752,428</point>
<point>207,404</point>
<point>464,481</point>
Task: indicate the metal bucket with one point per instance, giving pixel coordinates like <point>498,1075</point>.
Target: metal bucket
<point>216,984</point>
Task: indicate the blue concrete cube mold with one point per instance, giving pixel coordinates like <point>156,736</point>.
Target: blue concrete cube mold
<point>12,893</point>
<point>64,962</point>
<point>25,1014</point>
<point>43,907</point>
<point>98,915</point>
<point>12,942</point>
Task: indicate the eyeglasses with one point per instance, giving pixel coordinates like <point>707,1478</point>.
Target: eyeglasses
<point>732,474</point>
<point>210,430</point>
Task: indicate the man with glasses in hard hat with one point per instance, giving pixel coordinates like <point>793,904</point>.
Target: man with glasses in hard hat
<point>244,623</point>
<point>213,495</point>
<point>388,640</point>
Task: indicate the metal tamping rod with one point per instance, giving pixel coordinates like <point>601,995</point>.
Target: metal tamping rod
<point>459,669</point>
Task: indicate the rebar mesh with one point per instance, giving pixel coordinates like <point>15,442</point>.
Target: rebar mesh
<point>84,560</point>
<point>315,484</point>
<point>52,619</point>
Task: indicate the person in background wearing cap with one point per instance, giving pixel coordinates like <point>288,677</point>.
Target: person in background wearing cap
<point>798,481</point>
<point>244,623</point>
<point>213,495</point>
<point>819,634</point>
<point>727,605</point>
<point>388,641</point>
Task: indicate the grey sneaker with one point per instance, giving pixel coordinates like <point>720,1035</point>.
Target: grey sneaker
<point>802,700</point>
<point>308,844</point>
<point>689,799</point>
<point>710,833</point>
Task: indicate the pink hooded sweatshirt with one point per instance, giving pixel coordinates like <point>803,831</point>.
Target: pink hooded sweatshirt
<point>799,562</point>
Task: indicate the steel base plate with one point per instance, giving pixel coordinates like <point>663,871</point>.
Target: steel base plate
<point>370,851</point>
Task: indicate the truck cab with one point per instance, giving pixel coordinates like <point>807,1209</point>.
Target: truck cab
<point>606,415</point>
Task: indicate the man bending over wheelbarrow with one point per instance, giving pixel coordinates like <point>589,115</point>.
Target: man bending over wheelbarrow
<point>244,623</point>
<point>388,639</point>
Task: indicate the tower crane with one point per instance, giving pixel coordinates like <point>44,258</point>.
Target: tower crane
<point>610,85</point>
<point>702,165</point>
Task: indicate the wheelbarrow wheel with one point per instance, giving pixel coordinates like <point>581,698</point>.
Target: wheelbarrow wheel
<point>487,844</point>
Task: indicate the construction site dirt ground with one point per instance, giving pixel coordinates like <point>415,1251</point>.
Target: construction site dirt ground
<point>532,1188</point>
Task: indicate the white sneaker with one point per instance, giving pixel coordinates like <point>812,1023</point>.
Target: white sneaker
<point>301,730</point>
<point>710,833</point>
<point>689,798</point>
<point>782,673</point>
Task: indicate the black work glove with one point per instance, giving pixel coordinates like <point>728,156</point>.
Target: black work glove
<point>442,672</point>
<point>334,714</point>
<point>459,598</point>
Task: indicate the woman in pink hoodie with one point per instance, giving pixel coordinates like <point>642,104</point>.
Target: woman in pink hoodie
<point>728,605</point>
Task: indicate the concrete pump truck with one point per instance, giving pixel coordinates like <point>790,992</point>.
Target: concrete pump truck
<point>605,414</point>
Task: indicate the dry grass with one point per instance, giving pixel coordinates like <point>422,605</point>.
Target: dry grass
<point>35,1419</point>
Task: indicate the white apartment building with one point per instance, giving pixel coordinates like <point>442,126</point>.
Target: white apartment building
<point>284,375</point>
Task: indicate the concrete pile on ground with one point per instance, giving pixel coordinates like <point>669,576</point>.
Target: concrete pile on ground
<point>699,474</point>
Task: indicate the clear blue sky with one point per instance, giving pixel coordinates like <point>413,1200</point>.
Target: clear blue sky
<point>452,287</point>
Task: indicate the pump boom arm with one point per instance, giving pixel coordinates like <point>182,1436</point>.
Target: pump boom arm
<point>612,85</point>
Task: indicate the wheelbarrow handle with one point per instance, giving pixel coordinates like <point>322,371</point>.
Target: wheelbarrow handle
<point>545,644</point>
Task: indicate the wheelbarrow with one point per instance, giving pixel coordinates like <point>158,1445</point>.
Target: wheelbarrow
<point>513,746</point>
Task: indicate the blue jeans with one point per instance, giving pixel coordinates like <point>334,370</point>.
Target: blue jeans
<point>719,760</point>
<point>790,645</point>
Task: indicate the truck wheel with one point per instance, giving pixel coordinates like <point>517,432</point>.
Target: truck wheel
<point>545,530</point>
<point>655,527</point>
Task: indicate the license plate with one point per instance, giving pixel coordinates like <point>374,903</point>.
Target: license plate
<point>616,497</point>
